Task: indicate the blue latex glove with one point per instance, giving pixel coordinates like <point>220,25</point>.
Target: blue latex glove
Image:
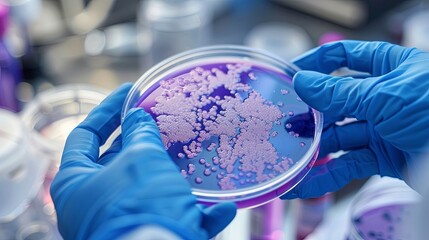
<point>135,183</point>
<point>392,108</point>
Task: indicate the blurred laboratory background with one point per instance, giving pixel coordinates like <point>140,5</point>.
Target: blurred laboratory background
<point>60,58</point>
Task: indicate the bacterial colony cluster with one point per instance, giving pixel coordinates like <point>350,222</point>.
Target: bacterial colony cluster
<point>229,126</point>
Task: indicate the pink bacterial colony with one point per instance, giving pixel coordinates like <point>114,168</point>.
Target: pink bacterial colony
<point>189,112</point>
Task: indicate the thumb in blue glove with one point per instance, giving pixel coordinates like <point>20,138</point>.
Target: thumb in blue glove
<point>391,106</point>
<point>134,184</point>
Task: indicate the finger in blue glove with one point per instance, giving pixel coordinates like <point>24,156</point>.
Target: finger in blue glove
<point>393,101</point>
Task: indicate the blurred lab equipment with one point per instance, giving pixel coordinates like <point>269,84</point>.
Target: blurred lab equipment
<point>167,27</point>
<point>118,40</point>
<point>285,40</point>
<point>83,16</point>
<point>330,37</point>
<point>23,12</point>
<point>239,228</point>
<point>10,72</point>
<point>416,31</point>
<point>22,166</point>
<point>352,14</point>
<point>420,217</point>
<point>310,213</point>
<point>32,224</point>
<point>121,39</point>
<point>381,209</point>
<point>53,113</point>
<point>51,116</point>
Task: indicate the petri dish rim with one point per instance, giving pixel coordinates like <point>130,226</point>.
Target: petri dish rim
<point>252,55</point>
<point>33,113</point>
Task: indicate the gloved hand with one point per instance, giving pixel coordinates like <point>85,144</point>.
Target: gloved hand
<point>135,183</point>
<point>391,106</point>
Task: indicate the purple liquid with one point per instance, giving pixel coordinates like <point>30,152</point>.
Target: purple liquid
<point>384,223</point>
<point>243,123</point>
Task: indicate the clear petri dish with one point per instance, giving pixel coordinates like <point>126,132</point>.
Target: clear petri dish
<point>54,113</point>
<point>231,121</point>
<point>382,210</point>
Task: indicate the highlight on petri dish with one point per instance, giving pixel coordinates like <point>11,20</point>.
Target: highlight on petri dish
<point>231,124</point>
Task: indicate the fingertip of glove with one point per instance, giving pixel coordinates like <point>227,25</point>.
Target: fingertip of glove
<point>230,207</point>
<point>138,119</point>
<point>306,83</point>
<point>230,210</point>
<point>217,217</point>
<point>305,78</point>
<point>123,89</point>
<point>137,115</point>
<point>126,85</point>
<point>289,196</point>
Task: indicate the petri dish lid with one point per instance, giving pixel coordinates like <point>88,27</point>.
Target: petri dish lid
<point>231,121</point>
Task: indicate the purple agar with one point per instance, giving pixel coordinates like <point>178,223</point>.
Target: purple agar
<point>234,118</point>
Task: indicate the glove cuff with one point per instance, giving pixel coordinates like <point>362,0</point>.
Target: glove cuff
<point>119,227</point>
